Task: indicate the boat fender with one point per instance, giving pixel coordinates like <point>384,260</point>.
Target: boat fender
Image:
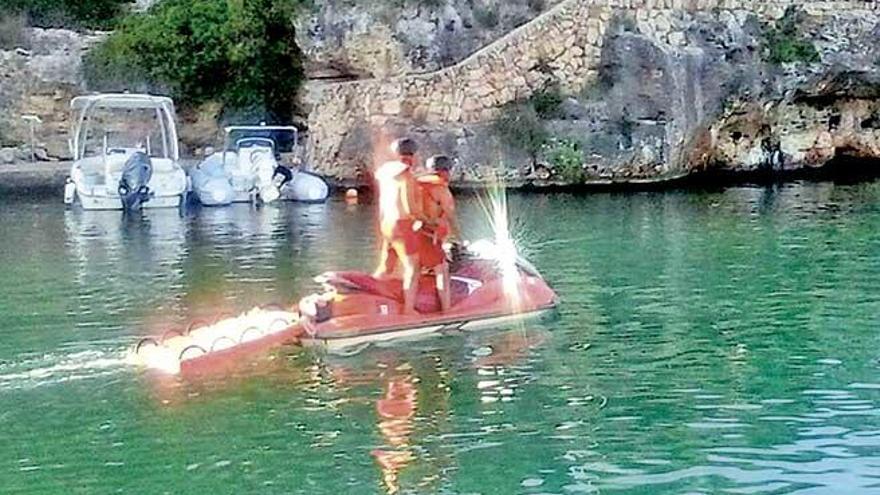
<point>69,191</point>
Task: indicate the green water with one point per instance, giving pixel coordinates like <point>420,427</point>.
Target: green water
<point>708,342</point>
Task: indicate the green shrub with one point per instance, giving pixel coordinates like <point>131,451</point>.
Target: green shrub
<point>241,54</point>
<point>784,43</point>
<point>75,14</point>
<point>486,16</point>
<point>520,128</point>
<point>547,102</point>
<point>566,158</point>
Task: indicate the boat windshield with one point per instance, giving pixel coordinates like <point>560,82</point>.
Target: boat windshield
<point>107,131</point>
<point>283,138</point>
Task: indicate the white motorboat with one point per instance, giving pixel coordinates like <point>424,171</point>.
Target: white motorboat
<point>247,169</point>
<point>125,153</point>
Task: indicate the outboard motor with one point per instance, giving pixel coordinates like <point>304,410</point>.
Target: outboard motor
<point>281,176</point>
<point>136,174</point>
<point>264,167</point>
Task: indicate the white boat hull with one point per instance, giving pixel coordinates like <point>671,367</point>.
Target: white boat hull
<point>114,203</point>
<point>96,181</point>
<point>342,343</point>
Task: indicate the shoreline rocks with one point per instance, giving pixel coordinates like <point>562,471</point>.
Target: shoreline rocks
<point>652,90</point>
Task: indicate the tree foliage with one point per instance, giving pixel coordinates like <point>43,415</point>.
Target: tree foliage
<point>241,53</point>
<point>94,14</point>
<point>521,123</point>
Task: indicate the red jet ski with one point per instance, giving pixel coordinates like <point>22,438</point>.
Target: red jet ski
<point>354,309</point>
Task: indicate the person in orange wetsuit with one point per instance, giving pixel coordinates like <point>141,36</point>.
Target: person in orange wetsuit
<point>438,214</point>
<point>399,212</point>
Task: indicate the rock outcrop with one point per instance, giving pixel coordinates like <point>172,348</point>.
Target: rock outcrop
<point>39,77</point>
<point>357,39</point>
<point>835,115</point>
<point>656,89</point>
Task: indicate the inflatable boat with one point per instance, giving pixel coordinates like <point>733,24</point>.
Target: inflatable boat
<point>248,169</point>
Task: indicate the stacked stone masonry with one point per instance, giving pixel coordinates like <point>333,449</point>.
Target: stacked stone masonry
<point>562,46</point>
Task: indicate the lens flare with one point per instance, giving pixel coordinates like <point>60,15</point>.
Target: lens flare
<point>505,250</point>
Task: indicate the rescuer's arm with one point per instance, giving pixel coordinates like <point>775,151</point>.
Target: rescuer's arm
<point>447,204</point>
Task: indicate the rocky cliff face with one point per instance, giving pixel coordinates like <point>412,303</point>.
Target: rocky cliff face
<point>714,98</point>
<point>380,38</point>
<point>38,77</point>
<point>652,90</point>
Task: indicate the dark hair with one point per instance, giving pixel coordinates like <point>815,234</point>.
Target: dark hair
<point>439,163</point>
<point>405,147</point>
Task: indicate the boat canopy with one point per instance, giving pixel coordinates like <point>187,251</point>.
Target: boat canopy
<point>122,100</point>
<point>162,109</point>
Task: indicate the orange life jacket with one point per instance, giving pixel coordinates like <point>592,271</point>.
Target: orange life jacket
<point>431,209</point>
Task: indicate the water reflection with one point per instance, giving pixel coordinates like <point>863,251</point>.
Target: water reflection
<point>112,253</point>
<point>415,415</point>
<point>395,411</point>
<point>105,243</point>
<point>415,441</point>
<point>709,342</point>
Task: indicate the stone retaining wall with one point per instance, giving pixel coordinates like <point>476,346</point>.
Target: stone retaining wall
<point>562,46</point>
